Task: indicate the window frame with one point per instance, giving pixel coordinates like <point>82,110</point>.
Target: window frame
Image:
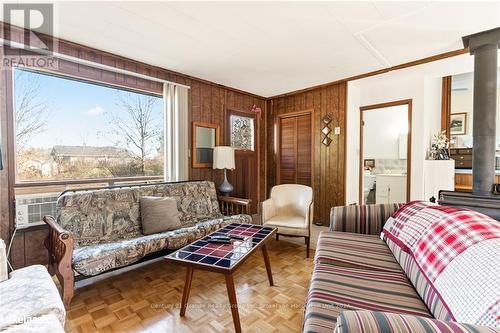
<point>11,141</point>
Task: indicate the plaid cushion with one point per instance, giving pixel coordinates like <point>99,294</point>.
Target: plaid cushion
<point>431,243</point>
<point>334,289</point>
<point>354,250</point>
<point>402,215</point>
<point>361,219</point>
<point>426,290</point>
<point>479,269</point>
<point>450,237</point>
<point>492,316</point>
<point>383,322</point>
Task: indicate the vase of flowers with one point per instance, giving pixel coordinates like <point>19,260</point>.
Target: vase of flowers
<point>439,147</point>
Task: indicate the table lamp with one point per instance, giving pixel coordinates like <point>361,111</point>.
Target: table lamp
<point>224,159</point>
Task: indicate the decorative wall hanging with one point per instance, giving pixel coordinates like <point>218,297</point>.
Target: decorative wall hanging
<point>256,109</point>
<point>326,130</point>
<point>242,132</point>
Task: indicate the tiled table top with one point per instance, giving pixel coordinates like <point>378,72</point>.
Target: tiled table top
<point>223,256</point>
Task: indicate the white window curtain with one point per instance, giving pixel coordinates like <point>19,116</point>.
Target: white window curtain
<point>176,132</point>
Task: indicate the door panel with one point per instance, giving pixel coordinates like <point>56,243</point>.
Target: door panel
<point>287,150</point>
<point>304,144</point>
<point>244,177</point>
<point>295,150</point>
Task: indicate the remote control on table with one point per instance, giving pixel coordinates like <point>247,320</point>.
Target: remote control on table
<point>219,237</point>
<point>221,241</point>
<point>237,237</point>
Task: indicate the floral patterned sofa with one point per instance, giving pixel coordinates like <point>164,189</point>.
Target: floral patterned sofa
<point>418,267</point>
<point>96,231</point>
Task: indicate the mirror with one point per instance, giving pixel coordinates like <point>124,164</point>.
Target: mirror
<point>205,138</point>
<point>461,110</point>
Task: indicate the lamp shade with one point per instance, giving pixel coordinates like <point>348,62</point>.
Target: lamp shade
<point>223,157</point>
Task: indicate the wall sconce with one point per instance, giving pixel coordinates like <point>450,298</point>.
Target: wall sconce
<point>326,130</point>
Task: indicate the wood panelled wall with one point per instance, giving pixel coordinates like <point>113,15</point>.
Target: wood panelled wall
<point>207,102</point>
<point>329,161</point>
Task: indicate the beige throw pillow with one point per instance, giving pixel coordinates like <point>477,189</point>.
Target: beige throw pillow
<point>159,214</point>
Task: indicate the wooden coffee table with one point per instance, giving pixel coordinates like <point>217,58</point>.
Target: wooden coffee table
<point>224,259</point>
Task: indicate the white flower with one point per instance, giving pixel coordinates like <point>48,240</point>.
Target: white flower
<point>440,141</point>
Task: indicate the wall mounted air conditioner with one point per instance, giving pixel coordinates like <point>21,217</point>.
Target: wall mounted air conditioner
<point>31,208</point>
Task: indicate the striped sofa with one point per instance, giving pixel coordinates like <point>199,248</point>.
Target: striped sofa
<point>399,268</point>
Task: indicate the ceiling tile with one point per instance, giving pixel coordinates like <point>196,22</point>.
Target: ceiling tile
<point>436,29</point>
<point>273,47</point>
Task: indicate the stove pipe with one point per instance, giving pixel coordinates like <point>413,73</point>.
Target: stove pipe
<point>484,46</point>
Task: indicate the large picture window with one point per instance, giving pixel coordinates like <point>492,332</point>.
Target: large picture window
<point>68,129</point>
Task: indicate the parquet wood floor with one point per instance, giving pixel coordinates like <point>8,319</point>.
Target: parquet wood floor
<point>147,299</point>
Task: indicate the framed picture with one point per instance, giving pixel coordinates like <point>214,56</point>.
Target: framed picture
<point>369,164</point>
<point>458,123</point>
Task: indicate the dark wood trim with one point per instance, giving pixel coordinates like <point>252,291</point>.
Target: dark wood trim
<point>422,61</point>
<point>193,142</point>
<point>75,77</point>
<point>385,105</point>
<point>277,119</point>
<point>446,105</point>
<point>408,147</point>
<point>345,142</point>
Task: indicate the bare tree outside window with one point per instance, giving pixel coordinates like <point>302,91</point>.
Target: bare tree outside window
<point>31,111</point>
<point>31,115</point>
<point>137,128</point>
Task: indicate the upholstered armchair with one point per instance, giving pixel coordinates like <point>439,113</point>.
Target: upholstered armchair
<point>290,209</point>
<point>29,299</point>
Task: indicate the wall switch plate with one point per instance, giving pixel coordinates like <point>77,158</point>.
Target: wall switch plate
<point>337,130</point>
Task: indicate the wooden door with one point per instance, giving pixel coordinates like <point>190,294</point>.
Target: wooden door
<point>245,176</point>
<point>295,149</point>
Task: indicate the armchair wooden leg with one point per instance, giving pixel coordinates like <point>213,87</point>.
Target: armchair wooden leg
<point>277,237</point>
<point>308,241</point>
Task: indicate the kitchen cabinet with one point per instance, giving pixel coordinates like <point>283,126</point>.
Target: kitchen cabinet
<point>390,188</point>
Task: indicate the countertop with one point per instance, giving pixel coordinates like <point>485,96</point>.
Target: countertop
<point>469,171</point>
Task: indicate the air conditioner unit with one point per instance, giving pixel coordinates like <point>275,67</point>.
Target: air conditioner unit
<point>31,208</point>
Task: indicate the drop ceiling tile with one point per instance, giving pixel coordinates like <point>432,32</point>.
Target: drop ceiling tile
<point>389,10</point>
<point>272,47</point>
<point>426,33</point>
<point>355,15</point>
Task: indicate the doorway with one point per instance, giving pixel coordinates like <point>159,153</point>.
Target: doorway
<point>385,153</point>
<point>295,148</point>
